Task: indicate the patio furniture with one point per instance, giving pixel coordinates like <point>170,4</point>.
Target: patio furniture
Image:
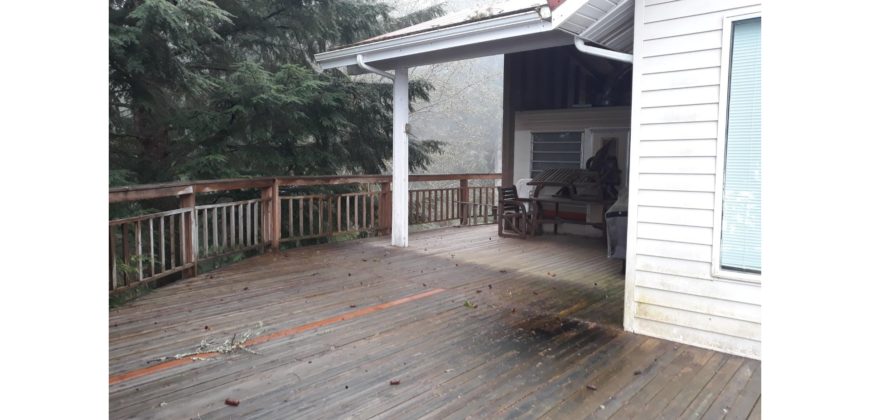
<point>593,188</point>
<point>617,226</point>
<point>513,218</point>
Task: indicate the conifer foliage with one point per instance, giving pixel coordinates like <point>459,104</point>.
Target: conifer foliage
<point>204,89</point>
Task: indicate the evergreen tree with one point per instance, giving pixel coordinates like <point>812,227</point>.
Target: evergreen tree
<point>201,89</point>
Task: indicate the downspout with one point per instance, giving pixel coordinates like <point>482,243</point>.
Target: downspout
<point>601,52</point>
<point>370,69</point>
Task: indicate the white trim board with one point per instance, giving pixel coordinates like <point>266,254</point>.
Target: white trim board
<point>717,270</point>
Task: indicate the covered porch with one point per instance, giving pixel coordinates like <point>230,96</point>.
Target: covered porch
<point>467,323</point>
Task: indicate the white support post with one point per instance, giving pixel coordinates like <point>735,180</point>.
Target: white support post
<point>400,158</point>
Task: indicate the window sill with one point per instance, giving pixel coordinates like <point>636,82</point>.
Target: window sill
<point>749,278</point>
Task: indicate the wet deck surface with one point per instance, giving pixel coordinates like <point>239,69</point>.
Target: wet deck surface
<point>470,324</point>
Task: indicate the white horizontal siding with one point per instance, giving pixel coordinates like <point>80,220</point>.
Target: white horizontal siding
<point>683,43</point>
<point>674,295</point>
<point>685,234</point>
<point>683,113</point>
<point>685,96</point>
<point>689,147</point>
<point>688,25</point>
<point>687,8</point>
<point>677,165</point>
<point>673,266</point>
<point>672,216</point>
<point>680,79</point>
<point>722,308</point>
<point>676,199</point>
<point>700,338</point>
<point>678,131</point>
<point>700,321</point>
<point>651,2</point>
<point>677,182</point>
<point>674,250</point>
<point>682,61</point>
<point>704,287</point>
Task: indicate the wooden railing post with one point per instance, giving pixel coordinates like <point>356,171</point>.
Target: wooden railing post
<point>268,197</point>
<point>188,201</point>
<point>463,198</point>
<point>385,210</point>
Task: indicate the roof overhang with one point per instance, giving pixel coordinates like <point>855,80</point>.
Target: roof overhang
<point>500,35</point>
<point>607,23</point>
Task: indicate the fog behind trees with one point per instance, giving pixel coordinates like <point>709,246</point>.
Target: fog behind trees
<point>465,107</point>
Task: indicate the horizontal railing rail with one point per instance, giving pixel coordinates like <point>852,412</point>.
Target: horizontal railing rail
<point>145,248</point>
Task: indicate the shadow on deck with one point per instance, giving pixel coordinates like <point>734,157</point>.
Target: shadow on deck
<point>470,324</point>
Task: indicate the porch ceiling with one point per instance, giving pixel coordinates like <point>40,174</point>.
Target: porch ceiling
<point>516,26</point>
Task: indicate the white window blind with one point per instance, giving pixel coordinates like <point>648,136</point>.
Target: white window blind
<point>741,207</point>
<point>556,151</point>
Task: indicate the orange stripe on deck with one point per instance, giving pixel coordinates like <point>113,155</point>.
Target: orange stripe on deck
<point>121,377</point>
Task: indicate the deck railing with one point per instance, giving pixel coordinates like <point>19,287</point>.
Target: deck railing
<point>145,248</point>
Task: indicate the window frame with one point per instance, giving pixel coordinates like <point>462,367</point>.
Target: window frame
<point>721,138</point>
<point>583,141</point>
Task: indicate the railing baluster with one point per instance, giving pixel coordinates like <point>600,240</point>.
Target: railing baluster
<point>214,230</point>
<point>347,226</point>
<point>183,239</point>
<point>290,216</point>
<point>372,210</point>
<point>311,216</point>
<point>139,250</point>
<point>248,226</point>
<point>204,228</point>
<point>320,215</point>
<point>441,203</point>
<point>162,244</point>
<point>364,212</point>
<point>126,249</point>
<point>338,214</point>
<point>224,225</point>
<point>151,244</point>
<point>486,207</point>
<point>233,226</point>
<point>256,239</point>
<point>329,204</point>
<point>356,212</point>
<point>242,230</point>
<point>172,242</point>
<point>113,273</point>
<point>301,216</point>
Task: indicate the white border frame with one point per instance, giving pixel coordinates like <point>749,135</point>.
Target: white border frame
<point>724,85</point>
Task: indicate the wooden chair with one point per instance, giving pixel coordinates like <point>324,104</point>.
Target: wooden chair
<point>513,219</point>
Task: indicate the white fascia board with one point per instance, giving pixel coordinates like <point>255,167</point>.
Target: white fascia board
<point>527,23</point>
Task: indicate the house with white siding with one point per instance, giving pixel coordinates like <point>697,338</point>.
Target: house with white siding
<point>676,84</point>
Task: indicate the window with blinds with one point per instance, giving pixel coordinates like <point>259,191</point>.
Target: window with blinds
<point>741,208</point>
<point>556,151</point>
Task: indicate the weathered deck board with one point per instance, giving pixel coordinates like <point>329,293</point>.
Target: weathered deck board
<point>546,324</point>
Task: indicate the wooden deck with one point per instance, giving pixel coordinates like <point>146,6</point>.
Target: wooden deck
<point>470,324</point>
